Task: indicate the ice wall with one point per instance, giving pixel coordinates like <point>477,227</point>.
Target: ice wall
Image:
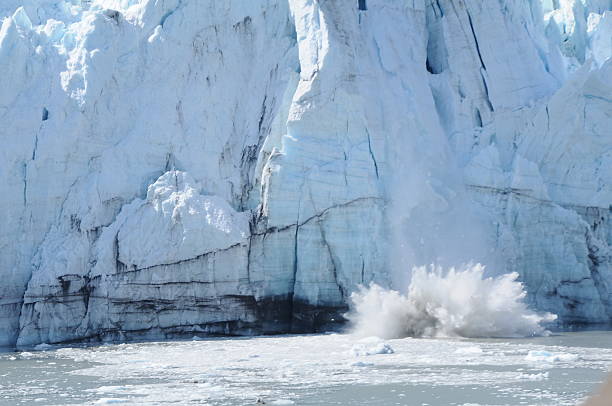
<point>177,167</point>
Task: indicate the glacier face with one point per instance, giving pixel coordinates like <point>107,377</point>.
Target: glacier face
<point>181,166</point>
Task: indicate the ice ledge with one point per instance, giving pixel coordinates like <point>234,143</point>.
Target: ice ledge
<point>176,222</point>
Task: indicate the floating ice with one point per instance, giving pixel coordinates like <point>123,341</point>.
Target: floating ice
<point>456,303</point>
<point>472,350</point>
<point>306,369</point>
<point>533,377</point>
<point>545,356</point>
<point>361,364</point>
<point>371,346</point>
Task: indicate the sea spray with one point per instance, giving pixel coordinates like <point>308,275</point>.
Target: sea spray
<point>459,302</point>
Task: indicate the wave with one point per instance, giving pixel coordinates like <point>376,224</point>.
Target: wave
<point>456,303</point>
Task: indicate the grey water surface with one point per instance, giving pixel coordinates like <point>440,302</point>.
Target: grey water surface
<point>328,369</point>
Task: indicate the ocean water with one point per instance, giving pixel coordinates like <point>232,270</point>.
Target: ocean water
<point>327,369</point>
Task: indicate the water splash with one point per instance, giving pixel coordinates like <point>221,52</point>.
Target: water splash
<point>460,302</point>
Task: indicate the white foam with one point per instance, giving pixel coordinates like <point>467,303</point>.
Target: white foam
<point>446,304</point>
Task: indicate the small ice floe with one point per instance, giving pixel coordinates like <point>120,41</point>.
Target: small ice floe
<point>43,347</point>
<point>110,401</point>
<point>282,402</point>
<point>371,346</point>
<point>472,350</point>
<point>533,377</point>
<point>361,364</point>
<point>260,401</point>
<point>545,356</point>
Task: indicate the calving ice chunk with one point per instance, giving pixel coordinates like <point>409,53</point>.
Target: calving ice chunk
<point>182,168</point>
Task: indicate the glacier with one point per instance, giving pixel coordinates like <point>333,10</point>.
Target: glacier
<point>179,167</point>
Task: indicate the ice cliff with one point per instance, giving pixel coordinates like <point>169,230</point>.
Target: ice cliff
<point>173,167</point>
